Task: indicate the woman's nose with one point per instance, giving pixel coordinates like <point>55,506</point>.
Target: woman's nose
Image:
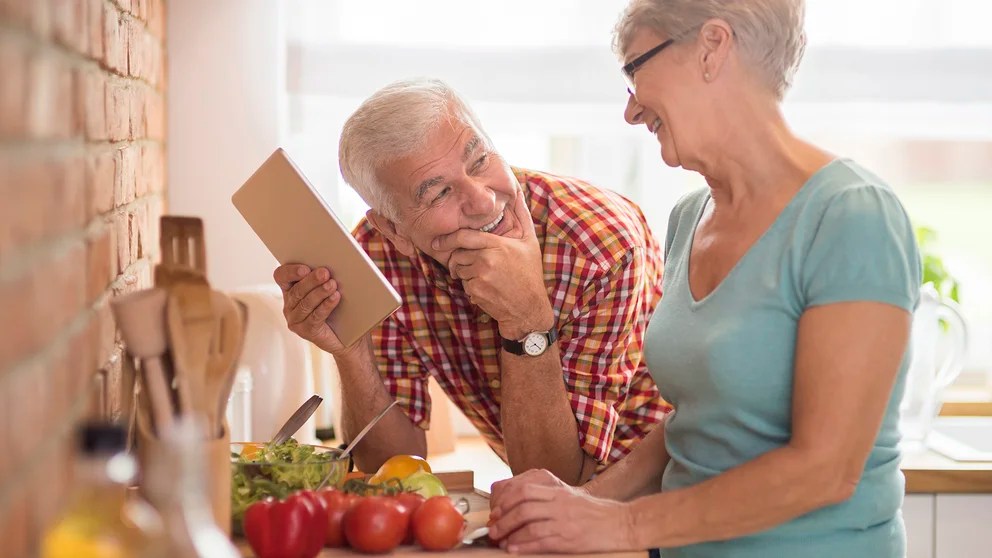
<point>634,111</point>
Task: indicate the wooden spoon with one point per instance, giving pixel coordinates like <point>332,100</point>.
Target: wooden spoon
<point>140,316</point>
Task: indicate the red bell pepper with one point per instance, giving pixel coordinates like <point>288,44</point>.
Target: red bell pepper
<point>290,528</point>
<point>317,529</point>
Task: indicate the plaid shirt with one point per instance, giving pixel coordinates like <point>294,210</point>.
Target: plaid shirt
<point>602,269</point>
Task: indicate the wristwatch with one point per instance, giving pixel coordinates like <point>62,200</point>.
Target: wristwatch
<point>533,344</point>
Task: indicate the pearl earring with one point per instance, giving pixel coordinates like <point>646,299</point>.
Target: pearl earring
<point>706,76</point>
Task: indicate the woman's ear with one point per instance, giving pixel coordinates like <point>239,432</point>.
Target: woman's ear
<point>715,40</point>
<point>388,230</point>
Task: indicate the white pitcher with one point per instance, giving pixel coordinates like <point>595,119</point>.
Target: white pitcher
<point>926,378</point>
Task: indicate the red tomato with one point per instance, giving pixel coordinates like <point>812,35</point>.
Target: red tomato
<point>408,502</point>
<point>374,525</point>
<point>437,524</point>
<point>338,503</point>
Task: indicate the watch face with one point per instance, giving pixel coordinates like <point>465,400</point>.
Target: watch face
<point>535,344</point>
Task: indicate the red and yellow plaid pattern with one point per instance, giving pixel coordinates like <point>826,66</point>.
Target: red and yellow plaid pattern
<point>602,268</point>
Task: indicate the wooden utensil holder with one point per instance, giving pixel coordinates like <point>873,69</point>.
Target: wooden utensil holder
<point>216,467</point>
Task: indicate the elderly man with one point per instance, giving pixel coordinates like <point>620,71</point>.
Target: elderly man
<point>525,294</point>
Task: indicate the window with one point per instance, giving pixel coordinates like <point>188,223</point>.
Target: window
<point>903,86</point>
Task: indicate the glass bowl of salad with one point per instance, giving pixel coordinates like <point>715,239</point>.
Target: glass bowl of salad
<point>260,470</point>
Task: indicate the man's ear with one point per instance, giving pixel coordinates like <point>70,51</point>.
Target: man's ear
<point>388,230</point>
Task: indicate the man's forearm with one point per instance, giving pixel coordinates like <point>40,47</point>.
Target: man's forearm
<point>539,427</point>
<point>363,396</point>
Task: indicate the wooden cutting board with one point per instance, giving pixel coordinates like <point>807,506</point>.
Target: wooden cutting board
<point>460,484</point>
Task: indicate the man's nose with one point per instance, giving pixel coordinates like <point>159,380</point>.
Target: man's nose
<point>479,199</point>
<point>634,112</point>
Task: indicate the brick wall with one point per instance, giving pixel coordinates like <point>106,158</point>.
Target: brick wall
<point>82,180</point>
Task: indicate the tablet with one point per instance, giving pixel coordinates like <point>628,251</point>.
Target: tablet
<point>297,226</point>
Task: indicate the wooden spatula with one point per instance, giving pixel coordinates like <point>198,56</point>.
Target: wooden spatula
<point>189,312</point>
<point>222,362</point>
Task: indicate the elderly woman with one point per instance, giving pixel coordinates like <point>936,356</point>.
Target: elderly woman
<point>782,336</point>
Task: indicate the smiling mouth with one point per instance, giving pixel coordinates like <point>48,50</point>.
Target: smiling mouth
<point>655,125</point>
<point>495,223</point>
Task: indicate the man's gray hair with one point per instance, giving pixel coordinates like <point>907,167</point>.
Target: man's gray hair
<point>395,122</point>
<point>769,32</point>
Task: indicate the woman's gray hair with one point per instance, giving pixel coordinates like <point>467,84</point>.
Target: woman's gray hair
<point>393,123</point>
<point>769,32</point>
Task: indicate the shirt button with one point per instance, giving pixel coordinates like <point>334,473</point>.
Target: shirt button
<point>484,318</point>
<point>494,384</point>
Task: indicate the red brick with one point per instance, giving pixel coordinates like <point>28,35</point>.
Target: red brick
<point>137,117</point>
<point>95,22</point>
<point>134,236</point>
<point>46,299</point>
<point>103,340</point>
<point>98,265</point>
<point>121,227</point>
<point>137,48</point>
<point>141,172</point>
<point>50,98</point>
<point>83,360</point>
<point>7,424</point>
<point>15,518</point>
<point>55,203</point>
<point>70,206</point>
<point>153,68</point>
<point>140,9</point>
<point>33,15</point>
<point>114,397</point>
<point>140,226</point>
<point>13,88</point>
<point>155,113</point>
<point>71,24</point>
<point>156,18</point>
<point>100,182</point>
<point>114,39</point>
<point>152,238</point>
<point>118,111</point>
<point>21,214</point>
<point>125,161</point>
<point>91,103</point>
<point>27,392</point>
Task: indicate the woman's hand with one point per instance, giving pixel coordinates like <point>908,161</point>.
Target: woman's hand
<point>536,512</point>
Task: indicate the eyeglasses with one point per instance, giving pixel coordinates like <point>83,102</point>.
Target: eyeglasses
<point>631,67</point>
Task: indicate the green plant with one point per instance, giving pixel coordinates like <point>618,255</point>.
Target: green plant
<point>933,265</point>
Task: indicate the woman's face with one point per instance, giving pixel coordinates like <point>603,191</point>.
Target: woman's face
<point>663,93</point>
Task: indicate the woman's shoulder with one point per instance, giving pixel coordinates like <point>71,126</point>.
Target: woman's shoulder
<point>684,214</point>
<point>843,179</point>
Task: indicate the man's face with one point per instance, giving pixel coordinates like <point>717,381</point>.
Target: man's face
<point>456,182</point>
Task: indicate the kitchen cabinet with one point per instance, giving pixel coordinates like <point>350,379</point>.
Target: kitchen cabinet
<point>918,514</point>
<point>963,525</point>
<point>948,525</point>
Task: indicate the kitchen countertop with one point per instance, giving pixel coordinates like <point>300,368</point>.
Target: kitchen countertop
<point>928,472</point>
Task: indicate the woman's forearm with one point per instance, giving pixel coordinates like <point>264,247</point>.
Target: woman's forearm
<point>768,491</point>
<point>637,474</point>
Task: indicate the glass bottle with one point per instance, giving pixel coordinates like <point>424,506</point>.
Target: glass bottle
<point>101,521</point>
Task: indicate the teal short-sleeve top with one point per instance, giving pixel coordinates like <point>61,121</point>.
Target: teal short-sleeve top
<point>726,362</point>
